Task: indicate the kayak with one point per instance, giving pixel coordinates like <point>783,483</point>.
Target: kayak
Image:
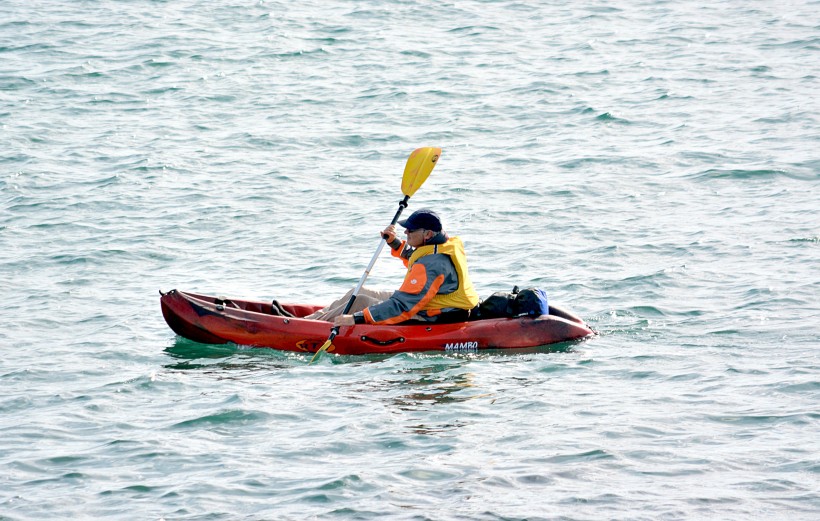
<point>220,320</point>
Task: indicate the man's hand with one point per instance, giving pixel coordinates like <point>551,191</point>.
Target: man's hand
<point>344,320</point>
<point>389,233</point>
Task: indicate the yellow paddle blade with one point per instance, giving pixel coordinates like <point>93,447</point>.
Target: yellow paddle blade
<point>419,165</point>
<point>321,350</point>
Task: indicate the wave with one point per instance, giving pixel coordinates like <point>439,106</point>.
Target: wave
<point>746,174</point>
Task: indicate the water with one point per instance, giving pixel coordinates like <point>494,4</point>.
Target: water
<point>652,165</point>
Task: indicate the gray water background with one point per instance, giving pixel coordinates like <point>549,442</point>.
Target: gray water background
<point>652,165</point>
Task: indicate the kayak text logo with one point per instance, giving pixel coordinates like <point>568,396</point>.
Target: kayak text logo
<point>461,346</point>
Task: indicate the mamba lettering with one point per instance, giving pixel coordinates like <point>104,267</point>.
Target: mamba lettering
<point>461,346</point>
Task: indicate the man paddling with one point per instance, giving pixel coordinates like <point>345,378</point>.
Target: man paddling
<point>436,288</point>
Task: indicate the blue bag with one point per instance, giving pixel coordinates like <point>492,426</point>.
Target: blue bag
<point>531,302</point>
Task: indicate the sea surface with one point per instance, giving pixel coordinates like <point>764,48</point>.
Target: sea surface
<point>653,165</point>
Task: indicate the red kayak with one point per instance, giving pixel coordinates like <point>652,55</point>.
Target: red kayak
<point>218,320</point>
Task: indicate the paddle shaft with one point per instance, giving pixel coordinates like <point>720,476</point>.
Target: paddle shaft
<point>402,206</point>
<point>419,166</point>
<point>352,299</point>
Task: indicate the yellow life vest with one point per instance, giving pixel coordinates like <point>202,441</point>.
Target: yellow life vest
<point>465,297</point>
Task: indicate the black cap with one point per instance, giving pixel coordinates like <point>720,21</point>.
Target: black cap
<point>424,219</point>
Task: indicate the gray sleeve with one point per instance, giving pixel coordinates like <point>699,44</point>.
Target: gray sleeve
<point>401,305</point>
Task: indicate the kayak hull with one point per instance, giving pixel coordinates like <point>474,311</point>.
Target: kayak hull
<point>217,320</point>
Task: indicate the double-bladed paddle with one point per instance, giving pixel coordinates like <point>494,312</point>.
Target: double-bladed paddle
<point>418,168</point>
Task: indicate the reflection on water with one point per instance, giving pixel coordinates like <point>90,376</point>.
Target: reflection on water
<point>424,388</point>
<point>193,356</point>
<point>431,385</point>
<point>190,350</point>
<point>429,388</point>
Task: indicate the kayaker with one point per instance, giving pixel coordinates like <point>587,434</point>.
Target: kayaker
<point>436,288</point>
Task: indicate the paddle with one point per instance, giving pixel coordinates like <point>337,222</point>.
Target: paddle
<point>418,168</point>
